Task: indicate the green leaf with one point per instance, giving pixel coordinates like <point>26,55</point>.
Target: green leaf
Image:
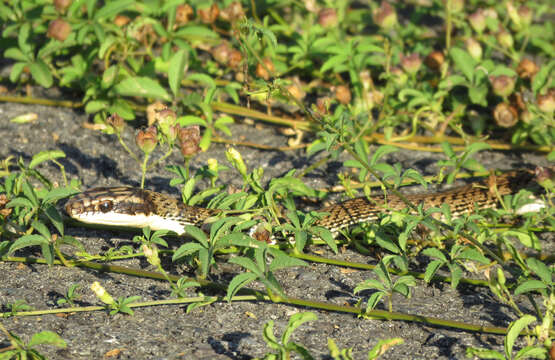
<point>269,336</point>
<point>464,62</point>
<point>431,269</point>
<point>373,300</point>
<point>369,284</point>
<point>530,352</point>
<point>202,79</point>
<point>247,264</point>
<point>294,322</point>
<point>282,260</point>
<point>530,285</point>
<point>142,87</point>
<point>434,253</point>
<point>197,234</point>
<point>20,201</point>
<point>47,337</point>
<point>484,353</point>
<point>45,156</point>
<point>176,70</point>
<point>540,269</point>
<point>16,54</point>
<point>112,8</point>
<point>540,79</point>
<point>186,249</point>
<point>27,240</point>
<point>42,229</point>
<point>514,331</point>
<point>382,151</point>
<point>55,217</point>
<point>238,282</point>
<point>473,254</point>
<point>41,73</point>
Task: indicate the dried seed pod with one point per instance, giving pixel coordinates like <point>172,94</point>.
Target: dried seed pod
<point>505,115</point>
<point>58,29</point>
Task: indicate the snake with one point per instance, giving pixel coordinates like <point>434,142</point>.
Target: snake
<point>138,208</point>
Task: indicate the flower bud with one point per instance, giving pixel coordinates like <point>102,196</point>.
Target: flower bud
<point>505,39</point>
<point>505,115</point>
<point>502,85</point>
<point>527,69</point>
<point>213,166</point>
<point>477,21</point>
<point>116,122</point>
<point>266,71</point>
<point>147,140</point>
<point>209,15</point>
<point>399,77</point>
<point>411,63</point>
<point>385,16</point>
<point>474,48</point>
<point>235,158</point>
<point>525,14</point>
<point>151,254</point>
<point>327,18</point>
<point>61,5</point>
<point>58,29</point>
<point>546,102</point>
<point>343,94</point>
<point>435,60</point>
<point>189,139</point>
<point>183,14</point>
<point>513,15</point>
<point>102,294</point>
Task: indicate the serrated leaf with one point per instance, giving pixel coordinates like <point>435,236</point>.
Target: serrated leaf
<point>464,62</point>
<point>197,234</point>
<point>186,249</point>
<point>246,263</point>
<point>514,331</point>
<point>431,269</point>
<point>142,87</point>
<point>26,241</point>
<point>540,269</point>
<point>202,79</point>
<point>47,337</point>
<point>41,73</point>
<point>540,79</point>
<point>282,260</point>
<point>112,8</point>
<point>46,156</point>
<point>295,321</point>
<point>238,282</point>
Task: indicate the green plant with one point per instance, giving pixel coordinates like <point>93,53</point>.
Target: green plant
<point>22,350</point>
<point>70,296</point>
<point>385,286</point>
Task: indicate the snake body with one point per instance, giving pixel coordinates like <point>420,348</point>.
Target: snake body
<point>134,207</point>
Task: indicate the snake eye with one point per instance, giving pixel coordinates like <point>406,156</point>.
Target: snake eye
<point>105,206</point>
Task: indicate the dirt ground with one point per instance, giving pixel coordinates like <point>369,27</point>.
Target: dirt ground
<point>220,330</point>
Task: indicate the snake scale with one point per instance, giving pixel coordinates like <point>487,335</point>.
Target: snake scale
<point>134,207</point>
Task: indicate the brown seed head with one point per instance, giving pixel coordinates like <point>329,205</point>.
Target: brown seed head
<point>58,29</point>
<point>527,69</point>
<point>343,94</point>
<point>435,60</point>
<point>61,5</point>
<point>261,70</point>
<point>474,48</point>
<point>385,16</point>
<point>222,53</point>
<point>4,212</point>
<point>116,122</point>
<point>147,140</point>
<point>151,111</point>
<point>189,139</point>
<point>233,12</point>
<point>411,63</point>
<point>209,15</point>
<point>505,115</point>
<point>235,58</point>
<point>546,102</point>
<point>121,20</point>
<point>183,14</point>
<point>327,18</point>
<point>502,85</point>
<point>477,21</point>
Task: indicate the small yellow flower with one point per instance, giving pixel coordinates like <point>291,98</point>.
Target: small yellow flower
<point>101,293</point>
